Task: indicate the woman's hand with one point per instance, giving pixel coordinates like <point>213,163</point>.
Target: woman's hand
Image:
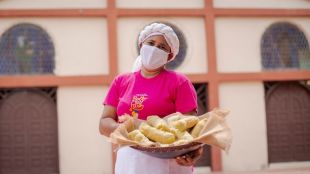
<point>190,158</point>
<point>127,121</point>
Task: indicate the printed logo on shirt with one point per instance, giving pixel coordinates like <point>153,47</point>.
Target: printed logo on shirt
<point>137,104</point>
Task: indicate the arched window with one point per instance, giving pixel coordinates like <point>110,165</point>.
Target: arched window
<point>284,45</point>
<point>26,49</point>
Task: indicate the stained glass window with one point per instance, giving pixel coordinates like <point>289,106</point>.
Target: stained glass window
<point>26,49</point>
<point>285,46</point>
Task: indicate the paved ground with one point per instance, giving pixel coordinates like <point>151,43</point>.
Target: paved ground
<point>275,171</point>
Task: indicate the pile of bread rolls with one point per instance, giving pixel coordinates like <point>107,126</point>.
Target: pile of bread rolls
<point>176,130</point>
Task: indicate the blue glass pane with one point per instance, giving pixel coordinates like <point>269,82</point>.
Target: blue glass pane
<point>283,45</point>
<point>26,49</point>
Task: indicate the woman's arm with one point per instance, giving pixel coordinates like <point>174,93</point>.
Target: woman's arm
<point>107,121</point>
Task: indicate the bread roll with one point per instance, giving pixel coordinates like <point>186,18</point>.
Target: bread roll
<point>156,134</point>
<point>186,136</point>
<point>172,119</point>
<point>180,142</point>
<point>182,135</point>
<point>185,123</point>
<point>198,128</point>
<point>137,136</point>
<point>158,123</point>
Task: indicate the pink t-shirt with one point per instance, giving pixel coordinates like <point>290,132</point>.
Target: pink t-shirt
<point>164,94</point>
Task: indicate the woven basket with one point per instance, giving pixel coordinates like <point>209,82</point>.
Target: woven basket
<point>169,152</point>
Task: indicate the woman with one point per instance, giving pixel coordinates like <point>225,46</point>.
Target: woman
<point>150,90</point>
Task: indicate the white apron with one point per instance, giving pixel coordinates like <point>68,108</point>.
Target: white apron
<point>131,161</point>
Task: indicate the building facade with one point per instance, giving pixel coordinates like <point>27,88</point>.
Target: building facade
<point>58,58</point>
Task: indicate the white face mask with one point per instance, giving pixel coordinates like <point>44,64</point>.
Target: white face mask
<point>153,57</point>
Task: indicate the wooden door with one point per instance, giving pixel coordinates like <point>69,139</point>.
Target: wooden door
<point>28,133</point>
<point>288,122</point>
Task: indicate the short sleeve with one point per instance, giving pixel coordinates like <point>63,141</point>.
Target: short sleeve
<point>112,96</point>
<point>186,98</point>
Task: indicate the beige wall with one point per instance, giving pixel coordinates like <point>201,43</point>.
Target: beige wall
<point>81,46</point>
<point>160,3</point>
<point>248,123</point>
<point>262,3</point>
<point>238,41</point>
<point>192,28</point>
<point>37,4</point>
<point>82,150</point>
